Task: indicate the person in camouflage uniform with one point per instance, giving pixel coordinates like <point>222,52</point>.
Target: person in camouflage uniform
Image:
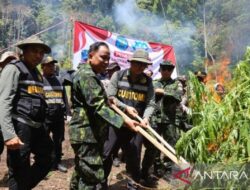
<point>134,93</point>
<point>168,94</point>
<point>183,110</point>
<point>91,116</point>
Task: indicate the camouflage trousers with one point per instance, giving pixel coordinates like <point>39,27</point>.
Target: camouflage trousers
<point>89,172</point>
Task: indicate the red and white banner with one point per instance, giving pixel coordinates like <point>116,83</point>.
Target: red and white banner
<point>121,47</point>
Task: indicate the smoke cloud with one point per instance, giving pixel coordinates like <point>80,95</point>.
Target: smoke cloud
<point>140,22</point>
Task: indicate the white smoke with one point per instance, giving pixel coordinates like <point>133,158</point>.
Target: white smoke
<point>138,21</point>
<point>126,13</point>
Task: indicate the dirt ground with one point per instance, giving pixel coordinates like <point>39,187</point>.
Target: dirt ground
<point>60,181</point>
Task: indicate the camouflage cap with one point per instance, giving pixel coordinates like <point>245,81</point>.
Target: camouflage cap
<point>34,40</point>
<point>167,63</point>
<point>142,56</point>
<point>112,66</point>
<point>6,55</point>
<point>48,60</point>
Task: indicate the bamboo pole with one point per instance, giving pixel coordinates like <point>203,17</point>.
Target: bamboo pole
<point>152,140</point>
<point>159,146</point>
<point>162,140</point>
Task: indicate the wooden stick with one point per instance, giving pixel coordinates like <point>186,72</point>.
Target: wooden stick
<point>162,140</point>
<point>159,146</point>
<point>151,139</point>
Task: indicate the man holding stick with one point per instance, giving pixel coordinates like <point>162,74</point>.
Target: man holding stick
<point>91,118</point>
<point>134,93</point>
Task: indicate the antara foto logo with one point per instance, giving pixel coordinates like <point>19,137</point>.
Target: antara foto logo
<point>183,175</point>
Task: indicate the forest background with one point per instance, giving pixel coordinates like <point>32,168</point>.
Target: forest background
<point>206,34</point>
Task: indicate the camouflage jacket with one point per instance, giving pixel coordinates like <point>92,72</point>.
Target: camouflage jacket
<point>91,114</point>
<point>167,105</point>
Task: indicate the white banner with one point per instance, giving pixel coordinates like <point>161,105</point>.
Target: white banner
<point>121,47</point>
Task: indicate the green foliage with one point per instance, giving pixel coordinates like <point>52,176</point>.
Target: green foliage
<point>221,132</point>
<point>66,64</point>
<point>227,22</point>
<point>106,23</point>
<point>179,23</point>
<point>73,5</point>
<point>183,10</point>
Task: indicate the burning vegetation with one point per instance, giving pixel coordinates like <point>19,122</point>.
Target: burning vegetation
<point>219,126</point>
<point>219,140</point>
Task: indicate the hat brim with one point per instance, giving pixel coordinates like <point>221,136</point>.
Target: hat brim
<point>140,60</point>
<point>46,48</point>
<point>5,58</point>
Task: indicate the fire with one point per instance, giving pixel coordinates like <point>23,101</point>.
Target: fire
<point>218,76</point>
<point>218,72</point>
<point>223,73</point>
